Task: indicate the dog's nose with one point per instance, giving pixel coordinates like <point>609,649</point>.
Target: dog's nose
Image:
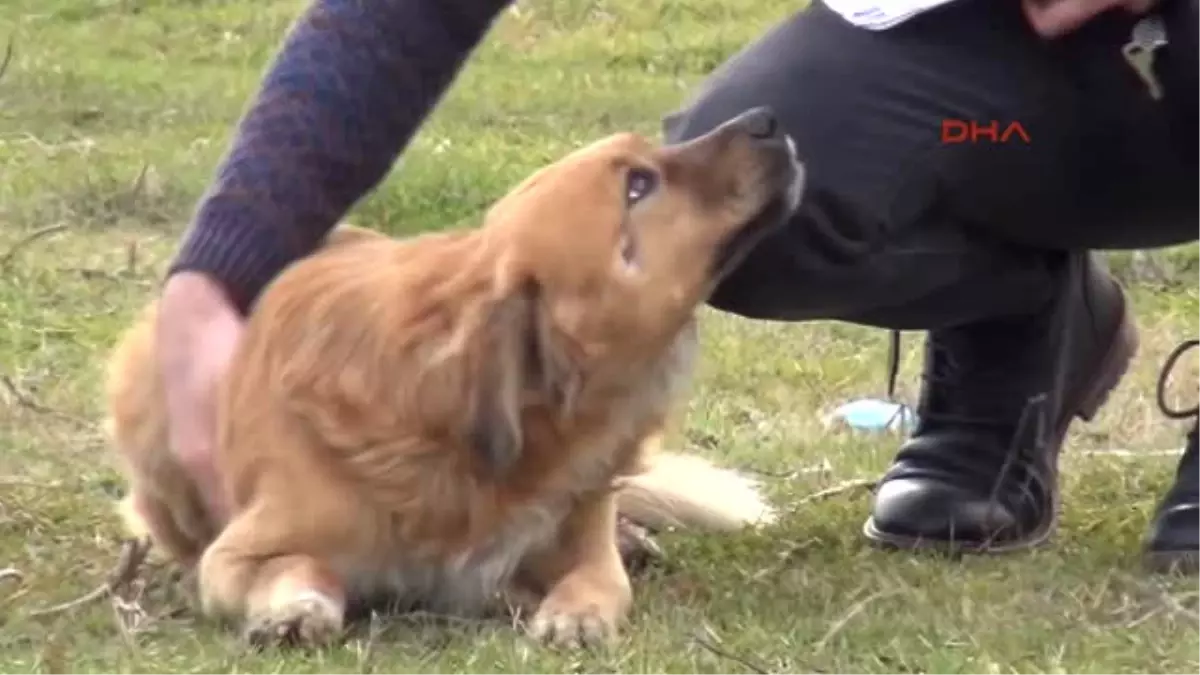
<point>758,122</point>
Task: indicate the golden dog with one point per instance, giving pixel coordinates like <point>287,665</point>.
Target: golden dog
<point>462,415</point>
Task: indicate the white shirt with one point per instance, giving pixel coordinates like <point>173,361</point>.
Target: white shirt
<point>881,14</point>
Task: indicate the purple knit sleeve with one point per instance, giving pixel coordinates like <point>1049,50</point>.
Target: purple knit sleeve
<point>349,89</point>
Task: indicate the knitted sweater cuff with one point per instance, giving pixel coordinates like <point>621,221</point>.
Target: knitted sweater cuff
<point>236,252</point>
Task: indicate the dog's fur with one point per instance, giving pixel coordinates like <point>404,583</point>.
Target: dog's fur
<point>458,415</point>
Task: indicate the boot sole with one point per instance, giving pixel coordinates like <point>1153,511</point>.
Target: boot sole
<point>1110,371</point>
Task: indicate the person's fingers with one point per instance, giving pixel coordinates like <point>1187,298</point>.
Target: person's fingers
<point>1139,6</point>
<point>193,440</point>
<point>197,333</point>
<point>1054,18</point>
<point>191,409</point>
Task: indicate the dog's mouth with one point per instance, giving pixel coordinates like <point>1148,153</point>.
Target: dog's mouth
<point>786,196</point>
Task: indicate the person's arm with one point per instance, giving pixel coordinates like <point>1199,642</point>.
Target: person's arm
<point>353,82</point>
<point>350,87</point>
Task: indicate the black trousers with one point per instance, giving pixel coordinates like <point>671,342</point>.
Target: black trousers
<point>902,227</point>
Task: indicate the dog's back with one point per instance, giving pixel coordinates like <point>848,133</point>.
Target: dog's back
<point>162,503</point>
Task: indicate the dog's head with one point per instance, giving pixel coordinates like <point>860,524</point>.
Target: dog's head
<point>602,257</point>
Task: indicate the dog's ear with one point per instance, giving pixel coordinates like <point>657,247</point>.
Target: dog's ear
<point>516,360</point>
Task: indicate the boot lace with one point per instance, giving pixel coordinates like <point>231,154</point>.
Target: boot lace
<point>1165,374</point>
<point>1193,448</point>
<point>1032,435</point>
<point>946,371</point>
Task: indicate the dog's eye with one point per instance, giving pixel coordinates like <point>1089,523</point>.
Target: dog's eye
<point>639,183</point>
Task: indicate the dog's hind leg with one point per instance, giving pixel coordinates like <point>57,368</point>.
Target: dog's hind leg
<point>147,517</point>
<point>283,595</point>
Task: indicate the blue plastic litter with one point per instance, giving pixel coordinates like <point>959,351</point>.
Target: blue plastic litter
<point>872,414</point>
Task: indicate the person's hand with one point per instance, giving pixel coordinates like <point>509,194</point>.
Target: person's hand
<point>198,328</point>
<point>1054,18</point>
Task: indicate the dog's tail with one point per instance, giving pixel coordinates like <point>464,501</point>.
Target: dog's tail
<point>679,490</point>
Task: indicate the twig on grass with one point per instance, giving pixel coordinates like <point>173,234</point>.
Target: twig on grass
<point>94,595</point>
<point>8,54</point>
<point>840,488</point>
<point>822,468</point>
<point>133,553</point>
<point>29,239</point>
<point>24,400</point>
<point>122,611</point>
<point>1154,611</point>
<point>845,619</point>
<point>138,186</point>
<point>767,473</point>
<point>707,638</point>
<point>16,481</point>
<point>131,258</point>
<point>1165,600</point>
<point>28,402</point>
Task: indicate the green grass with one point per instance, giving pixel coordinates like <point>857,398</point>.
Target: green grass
<point>113,114</point>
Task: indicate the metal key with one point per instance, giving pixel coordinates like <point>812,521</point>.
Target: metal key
<point>1147,37</point>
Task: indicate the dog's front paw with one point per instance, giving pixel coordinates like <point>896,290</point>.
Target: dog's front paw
<point>573,629</point>
<point>583,617</point>
<point>306,620</point>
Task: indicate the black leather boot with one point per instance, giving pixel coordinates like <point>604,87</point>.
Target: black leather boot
<point>979,473</point>
<point>1173,544</point>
